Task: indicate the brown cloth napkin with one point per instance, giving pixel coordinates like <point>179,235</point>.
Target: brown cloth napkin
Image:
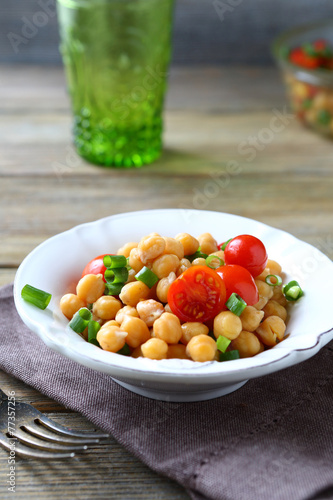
<point>270,440</point>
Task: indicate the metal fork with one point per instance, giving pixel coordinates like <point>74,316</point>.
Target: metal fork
<point>28,433</point>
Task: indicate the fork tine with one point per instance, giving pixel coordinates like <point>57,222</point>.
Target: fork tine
<point>26,452</point>
<point>43,433</point>
<point>34,442</point>
<point>50,424</point>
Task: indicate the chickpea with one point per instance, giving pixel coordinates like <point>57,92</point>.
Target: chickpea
<point>207,243</point>
<point>163,287</point>
<point>131,276</point>
<point>167,308</point>
<point>177,351</point>
<point>190,244</point>
<point>262,347</point>
<point>247,344</point>
<point>201,348</point>
<point>97,319</point>
<point>90,288</point>
<point>150,247</point>
<point>278,296</point>
<point>265,293</point>
<point>111,338</point>
<point>274,267</point>
<point>192,329</point>
<point>320,101</point>
<point>183,265</point>
<point>251,318</point>
<point>112,322</point>
<point>264,274</point>
<point>106,307</point>
<point>174,247</point>
<point>227,324</point>
<point>134,260</point>
<point>215,263</point>
<point>300,90</point>
<point>154,349</point>
<point>137,330</point>
<point>199,261</point>
<point>149,311</point>
<point>126,249</point>
<point>165,264</point>
<point>132,293</point>
<point>126,311</point>
<point>273,308</point>
<point>70,304</point>
<point>167,327</point>
<point>271,330</point>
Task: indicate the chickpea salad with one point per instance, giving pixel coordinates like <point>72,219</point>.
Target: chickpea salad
<point>184,297</point>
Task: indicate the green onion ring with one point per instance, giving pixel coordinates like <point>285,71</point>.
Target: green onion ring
<point>269,281</point>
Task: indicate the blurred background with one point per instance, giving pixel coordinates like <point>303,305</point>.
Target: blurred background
<point>205,31</point>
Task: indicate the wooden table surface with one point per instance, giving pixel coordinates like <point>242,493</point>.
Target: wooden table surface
<point>213,115</point>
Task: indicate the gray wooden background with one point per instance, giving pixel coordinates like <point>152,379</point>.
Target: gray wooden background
<point>205,31</point>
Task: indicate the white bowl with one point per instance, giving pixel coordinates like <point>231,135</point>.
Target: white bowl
<point>57,264</point>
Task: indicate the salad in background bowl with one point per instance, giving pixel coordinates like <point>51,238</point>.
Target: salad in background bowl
<point>305,56</point>
<point>308,329</point>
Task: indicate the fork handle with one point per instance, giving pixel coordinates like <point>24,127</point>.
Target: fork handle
<point>3,397</point>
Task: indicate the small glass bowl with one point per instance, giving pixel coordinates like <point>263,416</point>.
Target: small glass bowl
<point>310,91</point>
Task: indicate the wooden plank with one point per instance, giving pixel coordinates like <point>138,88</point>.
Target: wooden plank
<point>31,89</point>
<point>104,471</point>
<point>7,276</point>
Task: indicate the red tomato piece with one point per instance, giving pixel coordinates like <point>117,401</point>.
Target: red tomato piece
<point>238,280</point>
<point>95,266</point>
<point>198,294</point>
<point>299,57</point>
<point>246,251</point>
<point>320,45</point>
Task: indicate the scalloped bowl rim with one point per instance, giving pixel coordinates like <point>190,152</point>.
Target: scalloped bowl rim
<point>91,239</point>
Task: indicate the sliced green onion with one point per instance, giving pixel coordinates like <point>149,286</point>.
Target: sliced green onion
<point>113,288</point>
<point>225,244</point>
<point>324,117</point>
<point>35,296</point>
<point>229,355</point>
<point>236,304</point>
<point>309,49</point>
<point>80,320</point>
<point>147,277</point>
<point>93,329</point>
<point>125,351</point>
<point>277,282</point>
<point>211,258</point>
<point>196,255</point>
<point>116,275</point>
<point>114,261</point>
<point>307,103</point>
<point>222,343</point>
<point>292,291</point>
<point>285,52</point>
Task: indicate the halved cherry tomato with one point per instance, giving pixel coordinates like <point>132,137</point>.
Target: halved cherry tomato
<point>299,57</point>
<point>95,266</point>
<point>198,294</point>
<point>247,251</point>
<point>238,280</point>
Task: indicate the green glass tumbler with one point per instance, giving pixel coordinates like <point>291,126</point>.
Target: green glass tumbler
<point>116,55</point>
